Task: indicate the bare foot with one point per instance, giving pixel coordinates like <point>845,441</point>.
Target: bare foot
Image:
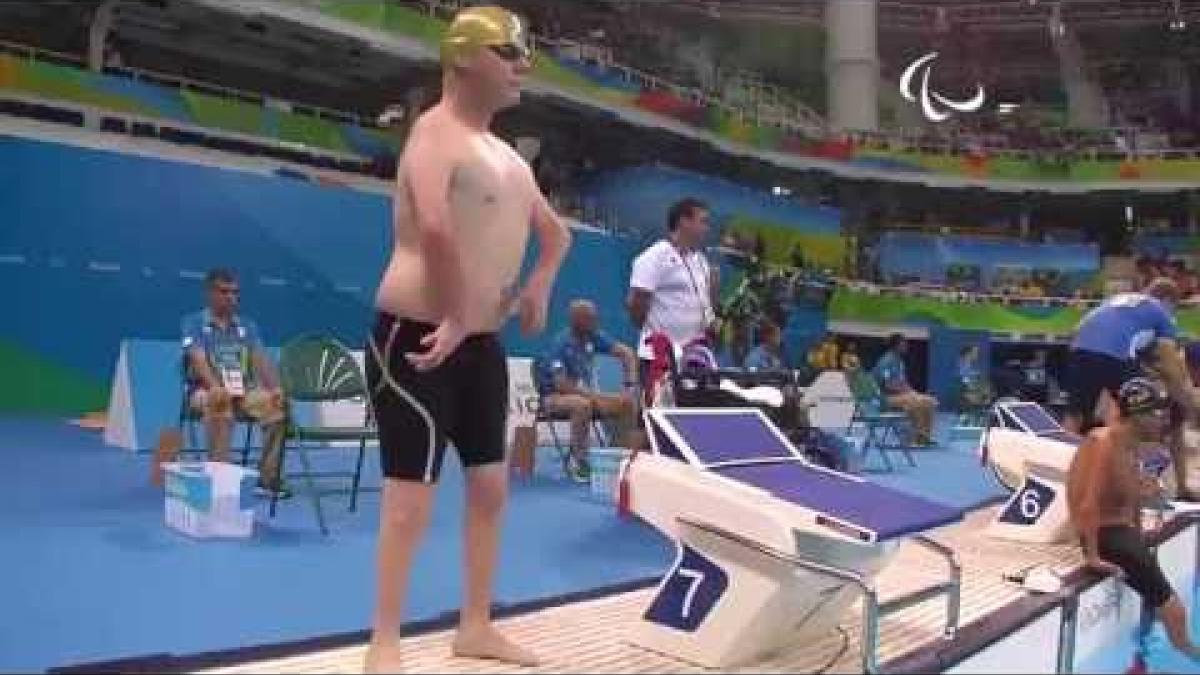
<point>384,657</point>
<point>488,643</point>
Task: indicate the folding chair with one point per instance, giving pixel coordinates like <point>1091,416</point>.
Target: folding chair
<point>974,404</point>
<point>318,369</point>
<point>884,428</point>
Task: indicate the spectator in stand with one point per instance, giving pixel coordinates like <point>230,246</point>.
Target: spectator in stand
<point>824,355</point>
<point>736,346</point>
<point>1189,286</point>
<point>849,360</point>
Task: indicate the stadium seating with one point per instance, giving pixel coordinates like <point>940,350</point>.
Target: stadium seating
<point>186,106</point>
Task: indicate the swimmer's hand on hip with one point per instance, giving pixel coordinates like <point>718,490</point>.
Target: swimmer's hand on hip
<point>532,307</point>
<point>439,344</point>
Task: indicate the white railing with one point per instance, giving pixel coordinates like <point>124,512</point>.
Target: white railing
<point>945,294</point>
<point>997,143</point>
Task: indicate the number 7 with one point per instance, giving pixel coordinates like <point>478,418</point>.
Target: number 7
<point>697,579</point>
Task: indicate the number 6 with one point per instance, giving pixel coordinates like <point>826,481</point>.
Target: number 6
<point>1031,508</point>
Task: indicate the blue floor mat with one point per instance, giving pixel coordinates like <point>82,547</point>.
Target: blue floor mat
<point>949,473</point>
<point>92,574</point>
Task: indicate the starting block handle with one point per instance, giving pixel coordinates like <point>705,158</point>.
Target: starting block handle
<point>782,556</point>
<point>871,611</point>
<point>954,593</point>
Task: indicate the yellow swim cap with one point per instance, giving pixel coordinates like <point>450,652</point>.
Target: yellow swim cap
<point>476,27</point>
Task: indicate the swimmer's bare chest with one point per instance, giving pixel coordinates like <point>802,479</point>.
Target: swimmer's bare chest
<point>490,201</point>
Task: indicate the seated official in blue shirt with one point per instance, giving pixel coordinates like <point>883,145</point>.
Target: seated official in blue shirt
<point>229,371</point>
<point>565,376</point>
<point>768,355</point>
<point>975,389</point>
<point>1036,372</point>
<point>891,374</point>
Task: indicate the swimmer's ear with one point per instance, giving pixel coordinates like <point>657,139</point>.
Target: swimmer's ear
<point>458,61</point>
<point>457,52</point>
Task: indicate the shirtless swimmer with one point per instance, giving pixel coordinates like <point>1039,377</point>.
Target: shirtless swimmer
<point>464,204</point>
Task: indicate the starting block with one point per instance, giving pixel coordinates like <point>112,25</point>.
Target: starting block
<point>1030,453</point>
<point>771,548</point>
<point>1037,511</point>
<point>1022,433</point>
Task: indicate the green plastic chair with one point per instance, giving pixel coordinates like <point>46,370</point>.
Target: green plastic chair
<point>975,402</point>
<point>884,428</point>
<point>315,368</point>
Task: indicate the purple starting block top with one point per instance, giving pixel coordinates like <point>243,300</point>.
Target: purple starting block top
<point>886,513</point>
<point>743,446</point>
<point>1035,418</point>
<point>729,437</point>
<point>1041,423</point>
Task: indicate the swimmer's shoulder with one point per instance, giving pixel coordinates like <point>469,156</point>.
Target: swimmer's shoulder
<point>435,130</point>
<point>508,149</point>
<point>1098,443</point>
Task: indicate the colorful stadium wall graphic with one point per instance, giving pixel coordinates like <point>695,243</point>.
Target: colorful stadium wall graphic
<point>124,258</point>
<point>638,199</point>
<point>1049,319</point>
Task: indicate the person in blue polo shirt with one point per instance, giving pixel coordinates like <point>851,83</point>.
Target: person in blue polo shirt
<point>768,355</point>
<point>891,374</point>
<point>1110,341</point>
<point>229,371</point>
<point>566,380</point>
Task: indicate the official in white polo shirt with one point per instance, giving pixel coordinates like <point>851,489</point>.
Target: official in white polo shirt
<point>673,288</point>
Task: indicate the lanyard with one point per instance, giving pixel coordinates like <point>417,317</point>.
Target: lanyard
<point>683,258</point>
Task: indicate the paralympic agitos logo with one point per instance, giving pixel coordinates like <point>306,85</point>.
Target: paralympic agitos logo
<point>934,106</point>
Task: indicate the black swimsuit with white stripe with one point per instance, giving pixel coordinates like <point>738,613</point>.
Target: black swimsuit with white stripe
<point>464,401</point>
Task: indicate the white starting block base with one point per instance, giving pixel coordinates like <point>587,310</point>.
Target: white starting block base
<point>772,550</point>
<point>1036,512</point>
<point>724,603</point>
<point>1024,433</point>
